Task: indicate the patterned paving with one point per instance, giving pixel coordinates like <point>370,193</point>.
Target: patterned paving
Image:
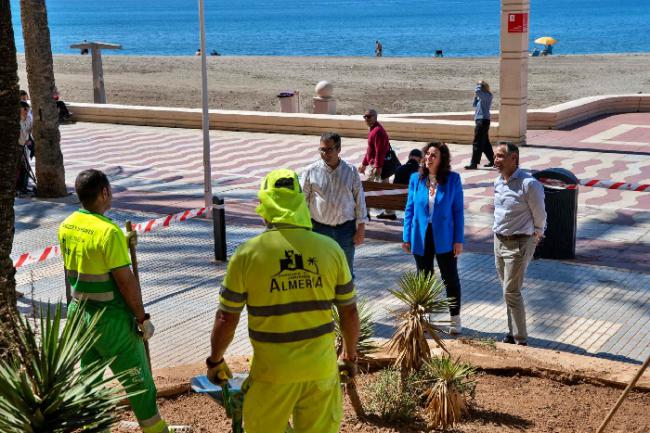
<point>598,310</point>
<point>581,309</point>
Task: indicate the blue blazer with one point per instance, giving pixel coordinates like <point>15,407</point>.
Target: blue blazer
<point>448,215</point>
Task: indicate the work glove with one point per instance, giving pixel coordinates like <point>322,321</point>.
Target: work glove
<point>347,370</point>
<point>146,328</point>
<point>218,373</point>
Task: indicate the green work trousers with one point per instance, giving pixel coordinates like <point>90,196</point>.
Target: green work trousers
<point>118,338</point>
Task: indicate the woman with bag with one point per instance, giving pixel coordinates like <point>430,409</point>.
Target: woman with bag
<point>434,222</point>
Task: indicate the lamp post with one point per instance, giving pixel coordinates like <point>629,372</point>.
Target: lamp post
<point>207,167</point>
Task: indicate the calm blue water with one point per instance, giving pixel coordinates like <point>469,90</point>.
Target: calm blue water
<point>341,28</point>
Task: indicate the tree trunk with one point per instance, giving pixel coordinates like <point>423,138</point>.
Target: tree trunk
<point>9,133</point>
<point>50,174</point>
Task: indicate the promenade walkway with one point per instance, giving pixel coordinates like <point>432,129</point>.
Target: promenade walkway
<point>597,304</point>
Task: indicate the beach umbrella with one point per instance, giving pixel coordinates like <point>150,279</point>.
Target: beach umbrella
<point>546,40</point>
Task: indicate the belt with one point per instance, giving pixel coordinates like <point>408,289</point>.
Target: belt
<point>512,237</point>
<point>98,297</point>
<point>335,226</point>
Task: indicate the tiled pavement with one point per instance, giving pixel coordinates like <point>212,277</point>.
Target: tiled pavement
<point>600,310</point>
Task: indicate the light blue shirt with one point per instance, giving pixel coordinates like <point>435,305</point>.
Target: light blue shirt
<point>482,103</point>
<point>519,205</point>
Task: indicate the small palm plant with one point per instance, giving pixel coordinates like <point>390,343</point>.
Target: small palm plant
<point>421,294</point>
<point>366,345</point>
<point>449,384</point>
<point>41,390</point>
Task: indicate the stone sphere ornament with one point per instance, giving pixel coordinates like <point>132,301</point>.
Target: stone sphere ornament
<point>324,89</point>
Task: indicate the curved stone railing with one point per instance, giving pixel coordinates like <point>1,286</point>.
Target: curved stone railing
<point>452,127</point>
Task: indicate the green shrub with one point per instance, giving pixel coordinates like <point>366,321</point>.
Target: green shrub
<point>386,399</point>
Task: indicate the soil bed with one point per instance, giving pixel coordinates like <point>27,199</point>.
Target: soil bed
<point>503,402</point>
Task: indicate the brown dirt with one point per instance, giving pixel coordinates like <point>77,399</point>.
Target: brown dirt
<point>502,403</point>
<point>392,85</point>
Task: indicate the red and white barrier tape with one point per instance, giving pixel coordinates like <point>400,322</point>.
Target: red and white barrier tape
<point>597,183</point>
<point>51,251</point>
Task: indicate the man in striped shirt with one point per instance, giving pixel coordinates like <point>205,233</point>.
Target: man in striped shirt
<point>335,198</point>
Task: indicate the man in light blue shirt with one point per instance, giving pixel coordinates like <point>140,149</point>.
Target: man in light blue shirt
<point>519,224</point>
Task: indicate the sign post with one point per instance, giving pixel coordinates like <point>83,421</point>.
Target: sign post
<point>207,167</point>
<point>513,63</point>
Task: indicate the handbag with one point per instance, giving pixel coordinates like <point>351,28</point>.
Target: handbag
<point>391,164</point>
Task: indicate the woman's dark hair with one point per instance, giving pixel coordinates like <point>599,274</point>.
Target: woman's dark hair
<point>445,162</point>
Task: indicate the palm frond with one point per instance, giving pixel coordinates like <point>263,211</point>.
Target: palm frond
<point>450,384</point>
<point>41,390</point>
<point>366,344</point>
<point>421,293</point>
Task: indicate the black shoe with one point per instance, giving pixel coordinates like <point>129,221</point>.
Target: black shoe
<point>509,339</point>
<point>385,216</point>
<point>523,343</point>
<point>489,165</point>
<point>471,167</point>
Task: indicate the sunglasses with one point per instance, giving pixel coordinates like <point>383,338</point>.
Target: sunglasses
<point>367,116</point>
<point>326,149</point>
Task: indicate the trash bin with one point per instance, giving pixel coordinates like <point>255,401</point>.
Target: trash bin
<point>289,101</point>
<point>561,201</point>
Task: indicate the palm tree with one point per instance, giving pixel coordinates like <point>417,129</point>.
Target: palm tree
<point>41,388</point>
<point>50,174</point>
<point>9,131</point>
<point>449,384</point>
<point>421,293</point>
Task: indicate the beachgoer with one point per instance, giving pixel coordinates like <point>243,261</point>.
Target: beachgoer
<point>198,52</point>
<point>519,224</point>
<point>380,155</point>
<point>335,197</point>
<point>294,371</point>
<point>482,103</point>
<point>97,269</point>
<point>404,172</point>
<point>379,49</point>
<point>434,222</point>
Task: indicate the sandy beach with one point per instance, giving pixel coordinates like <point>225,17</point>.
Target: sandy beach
<point>391,84</point>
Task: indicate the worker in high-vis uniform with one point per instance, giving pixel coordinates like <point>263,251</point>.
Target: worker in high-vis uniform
<point>98,272</point>
<point>288,277</point>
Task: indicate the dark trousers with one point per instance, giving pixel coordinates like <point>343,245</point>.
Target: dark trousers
<point>482,142</point>
<point>343,234</point>
<point>22,172</point>
<point>448,265</point>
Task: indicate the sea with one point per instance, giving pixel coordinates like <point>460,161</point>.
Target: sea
<point>460,28</point>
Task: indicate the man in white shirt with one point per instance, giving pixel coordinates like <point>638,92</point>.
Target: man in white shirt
<point>334,194</point>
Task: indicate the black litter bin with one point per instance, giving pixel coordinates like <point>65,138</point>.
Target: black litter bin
<point>561,200</point>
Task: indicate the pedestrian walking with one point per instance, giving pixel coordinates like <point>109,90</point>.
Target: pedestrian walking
<point>335,197</point>
<point>434,222</point>
<point>98,272</point>
<point>519,224</point>
<point>379,48</point>
<point>482,103</point>
<point>380,155</point>
<point>288,277</point>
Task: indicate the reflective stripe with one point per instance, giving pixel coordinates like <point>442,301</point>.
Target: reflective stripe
<point>290,337</point>
<point>100,297</point>
<point>345,302</point>
<point>151,422</point>
<point>93,278</point>
<point>231,296</point>
<point>345,288</point>
<point>233,310</point>
<point>292,307</point>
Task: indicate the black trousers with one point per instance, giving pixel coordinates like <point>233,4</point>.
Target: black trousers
<point>448,265</point>
<point>482,142</point>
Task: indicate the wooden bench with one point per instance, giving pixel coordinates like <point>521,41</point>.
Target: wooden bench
<point>388,201</point>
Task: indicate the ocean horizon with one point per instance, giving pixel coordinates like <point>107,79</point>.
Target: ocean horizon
<point>408,28</point>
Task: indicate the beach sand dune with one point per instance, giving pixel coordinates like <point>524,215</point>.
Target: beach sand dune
<point>392,85</point>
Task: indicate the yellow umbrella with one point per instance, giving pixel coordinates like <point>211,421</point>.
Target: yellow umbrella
<point>546,40</point>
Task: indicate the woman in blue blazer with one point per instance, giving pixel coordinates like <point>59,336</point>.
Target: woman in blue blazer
<point>434,222</point>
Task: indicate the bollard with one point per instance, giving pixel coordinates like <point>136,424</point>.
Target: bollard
<point>219,226</point>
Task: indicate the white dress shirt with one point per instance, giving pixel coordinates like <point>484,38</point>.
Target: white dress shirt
<point>334,196</point>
